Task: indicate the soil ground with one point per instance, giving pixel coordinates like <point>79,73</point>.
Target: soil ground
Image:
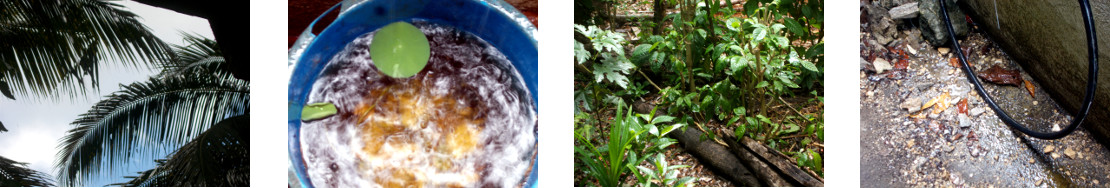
<point>900,148</point>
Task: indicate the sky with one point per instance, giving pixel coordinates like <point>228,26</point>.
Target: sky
<point>36,126</point>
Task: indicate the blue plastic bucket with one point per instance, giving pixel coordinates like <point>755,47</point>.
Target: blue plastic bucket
<point>494,21</point>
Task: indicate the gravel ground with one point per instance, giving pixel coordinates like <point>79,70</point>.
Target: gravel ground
<point>904,145</point>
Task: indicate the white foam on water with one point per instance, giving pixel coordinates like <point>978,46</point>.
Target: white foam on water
<point>506,143</point>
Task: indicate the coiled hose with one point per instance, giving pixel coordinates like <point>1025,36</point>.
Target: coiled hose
<point>1092,77</point>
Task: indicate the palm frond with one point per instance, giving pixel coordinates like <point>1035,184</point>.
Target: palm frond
<point>49,48</point>
<point>16,174</point>
<point>146,118</point>
<point>218,157</point>
<point>202,55</point>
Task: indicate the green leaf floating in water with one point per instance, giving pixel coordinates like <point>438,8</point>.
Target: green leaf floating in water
<point>316,111</point>
<point>399,50</point>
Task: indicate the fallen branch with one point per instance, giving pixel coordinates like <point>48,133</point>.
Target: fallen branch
<point>767,174</point>
<point>782,162</point>
<point>716,157</point>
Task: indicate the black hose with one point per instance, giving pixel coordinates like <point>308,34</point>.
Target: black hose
<point>1092,77</point>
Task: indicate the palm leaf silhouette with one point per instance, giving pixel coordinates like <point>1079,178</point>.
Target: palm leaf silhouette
<point>16,174</point>
<point>218,157</point>
<point>153,116</point>
<point>49,48</point>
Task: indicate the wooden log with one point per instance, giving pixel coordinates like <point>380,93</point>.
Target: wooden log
<point>1049,41</point>
<point>716,157</point>
<point>781,162</point>
<point>767,175</point>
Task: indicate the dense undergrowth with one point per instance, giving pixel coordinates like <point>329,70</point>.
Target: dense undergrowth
<point>755,71</point>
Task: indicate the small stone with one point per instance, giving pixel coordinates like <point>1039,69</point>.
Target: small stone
<point>943,51</point>
<point>1031,161</point>
<point>911,104</point>
<point>1070,153</point>
<point>1049,148</point>
<point>1055,155</point>
<point>908,10</point>
<point>911,49</point>
<point>1055,127</point>
<point>1039,182</point>
<point>881,65</point>
<point>870,94</point>
<point>934,116</point>
<point>1035,103</point>
<point>977,111</point>
<point>863,65</point>
<point>965,121</point>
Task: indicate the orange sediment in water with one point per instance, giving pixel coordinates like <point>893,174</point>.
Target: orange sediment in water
<point>404,120</point>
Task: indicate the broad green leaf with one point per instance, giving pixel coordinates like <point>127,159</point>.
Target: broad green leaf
<point>316,111</point>
<point>793,26</point>
<point>580,53</point>
<point>761,84</point>
<point>662,119</point>
<point>764,119</point>
<point>704,75</point>
<point>733,24</point>
<point>646,171</point>
<point>817,163</point>
<point>641,53</point>
<point>793,58</point>
<point>400,50</point>
<point>781,41</point>
<point>809,65</point>
<point>790,128</point>
<point>613,68</point>
<point>741,130</point>
<point>667,130</point>
<point>740,111</point>
<point>786,80</point>
<point>777,27</point>
<point>758,34</point>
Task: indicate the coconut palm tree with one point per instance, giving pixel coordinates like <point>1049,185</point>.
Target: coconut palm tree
<point>16,174</point>
<point>193,107</point>
<point>53,49</point>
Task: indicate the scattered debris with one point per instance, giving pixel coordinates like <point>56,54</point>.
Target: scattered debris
<point>1029,86</point>
<point>1070,153</point>
<point>1049,149</point>
<point>943,50</point>
<point>905,11</point>
<point>954,62</point>
<point>965,121</point>
<point>941,103</point>
<point>998,75</point>
<point>911,104</point>
<point>962,106</point>
<point>881,65</point>
<point>977,111</point>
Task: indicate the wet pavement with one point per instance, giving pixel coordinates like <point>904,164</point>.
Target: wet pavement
<point>902,144</point>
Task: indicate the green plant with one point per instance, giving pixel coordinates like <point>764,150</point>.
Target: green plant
<point>608,163</point>
<point>659,139</point>
<point>807,158</point>
<point>613,65</point>
<point>664,175</point>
